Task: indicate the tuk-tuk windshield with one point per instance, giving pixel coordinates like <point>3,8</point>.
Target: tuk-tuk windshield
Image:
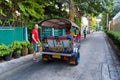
<point>46,31</point>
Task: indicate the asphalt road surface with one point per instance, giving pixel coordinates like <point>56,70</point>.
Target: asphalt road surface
<point>98,62</point>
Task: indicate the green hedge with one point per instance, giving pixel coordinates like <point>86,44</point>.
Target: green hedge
<point>115,36</point>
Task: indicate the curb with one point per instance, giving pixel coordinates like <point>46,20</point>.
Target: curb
<point>15,63</point>
<point>115,48</point>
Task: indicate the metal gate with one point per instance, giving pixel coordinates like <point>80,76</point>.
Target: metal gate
<point>10,34</point>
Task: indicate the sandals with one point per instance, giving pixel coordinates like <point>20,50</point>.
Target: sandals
<point>35,60</point>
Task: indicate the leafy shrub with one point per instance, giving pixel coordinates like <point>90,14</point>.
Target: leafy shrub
<point>30,46</point>
<point>25,44</point>
<point>4,50</point>
<point>115,36</point>
<point>16,45</point>
<point>39,44</point>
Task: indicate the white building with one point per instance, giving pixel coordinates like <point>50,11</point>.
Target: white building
<point>84,24</point>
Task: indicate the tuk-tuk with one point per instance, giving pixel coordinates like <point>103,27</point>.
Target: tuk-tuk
<point>60,40</point>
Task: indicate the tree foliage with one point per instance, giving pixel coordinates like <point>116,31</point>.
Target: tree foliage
<point>114,9</point>
<point>93,6</point>
<point>104,21</point>
<point>36,10</point>
<point>92,22</point>
<point>30,8</point>
<point>27,9</point>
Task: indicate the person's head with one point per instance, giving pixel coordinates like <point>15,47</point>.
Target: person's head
<point>36,26</point>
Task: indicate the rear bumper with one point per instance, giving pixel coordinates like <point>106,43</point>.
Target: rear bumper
<point>61,54</point>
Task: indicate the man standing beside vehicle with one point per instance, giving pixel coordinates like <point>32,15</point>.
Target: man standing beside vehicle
<point>35,41</point>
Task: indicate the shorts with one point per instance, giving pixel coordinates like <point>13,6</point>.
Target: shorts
<point>35,47</point>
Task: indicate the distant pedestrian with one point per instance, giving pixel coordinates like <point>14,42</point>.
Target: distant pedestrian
<point>35,41</point>
<point>84,32</point>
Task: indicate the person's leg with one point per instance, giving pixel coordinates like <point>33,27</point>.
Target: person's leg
<point>35,50</point>
<point>85,35</point>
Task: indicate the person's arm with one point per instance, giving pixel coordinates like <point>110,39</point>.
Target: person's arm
<point>34,38</point>
<point>38,40</point>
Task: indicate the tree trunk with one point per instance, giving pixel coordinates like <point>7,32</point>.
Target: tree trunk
<point>72,10</point>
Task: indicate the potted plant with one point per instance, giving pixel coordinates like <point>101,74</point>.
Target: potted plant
<point>11,49</point>
<point>39,46</point>
<point>18,54</point>
<point>7,55</point>
<point>1,52</point>
<point>1,59</point>
<point>17,49</point>
<point>30,48</point>
<point>24,50</point>
<point>5,52</point>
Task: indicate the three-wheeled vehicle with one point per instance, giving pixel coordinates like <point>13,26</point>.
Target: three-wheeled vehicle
<point>60,40</point>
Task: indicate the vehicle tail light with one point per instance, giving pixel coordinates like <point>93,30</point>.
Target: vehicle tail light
<point>65,58</point>
<point>45,56</point>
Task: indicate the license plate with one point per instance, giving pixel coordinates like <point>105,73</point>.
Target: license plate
<point>72,62</point>
<point>56,49</point>
<point>56,56</point>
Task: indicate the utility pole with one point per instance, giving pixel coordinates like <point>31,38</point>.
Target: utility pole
<point>107,26</point>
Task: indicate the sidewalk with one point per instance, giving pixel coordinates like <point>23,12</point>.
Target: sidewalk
<point>10,65</point>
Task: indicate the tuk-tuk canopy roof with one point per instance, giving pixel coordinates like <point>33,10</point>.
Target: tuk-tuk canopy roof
<point>58,23</point>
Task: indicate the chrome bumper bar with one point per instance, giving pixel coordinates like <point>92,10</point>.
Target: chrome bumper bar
<point>61,54</point>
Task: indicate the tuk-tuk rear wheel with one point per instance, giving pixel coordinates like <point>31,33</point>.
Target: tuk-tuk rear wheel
<point>74,60</point>
<point>45,57</point>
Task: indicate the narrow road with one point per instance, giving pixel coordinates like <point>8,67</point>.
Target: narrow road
<point>98,62</point>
